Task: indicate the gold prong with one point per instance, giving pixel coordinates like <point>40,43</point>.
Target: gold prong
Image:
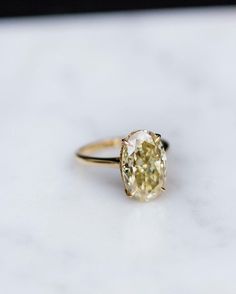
<point>128,193</point>
<point>127,143</point>
<point>124,141</point>
<point>158,138</point>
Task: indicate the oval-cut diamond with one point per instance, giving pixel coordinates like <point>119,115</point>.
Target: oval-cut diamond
<point>143,165</point>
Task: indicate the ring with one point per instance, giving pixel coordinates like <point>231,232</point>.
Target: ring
<point>142,162</point>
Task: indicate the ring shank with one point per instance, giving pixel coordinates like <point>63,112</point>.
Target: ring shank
<point>84,153</point>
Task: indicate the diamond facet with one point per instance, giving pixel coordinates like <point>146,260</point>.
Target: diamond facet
<point>143,165</point>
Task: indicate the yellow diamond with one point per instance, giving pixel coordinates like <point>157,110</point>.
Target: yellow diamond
<point>143,165</point>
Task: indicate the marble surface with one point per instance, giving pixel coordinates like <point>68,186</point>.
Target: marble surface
<point>64,81</point>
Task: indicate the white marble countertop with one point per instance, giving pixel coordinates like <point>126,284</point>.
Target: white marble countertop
<point>64,81</point>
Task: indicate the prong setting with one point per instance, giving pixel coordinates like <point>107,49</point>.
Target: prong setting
<point>143,165</point>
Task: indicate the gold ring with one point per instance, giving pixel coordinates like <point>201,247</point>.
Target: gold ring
<point>142,162</point>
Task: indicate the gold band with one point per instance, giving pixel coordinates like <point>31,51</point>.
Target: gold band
<point>84,153</point>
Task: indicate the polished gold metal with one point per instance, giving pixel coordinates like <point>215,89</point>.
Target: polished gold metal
<point>84,153</point>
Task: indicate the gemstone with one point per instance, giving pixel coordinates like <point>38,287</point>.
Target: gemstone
<point>143,165</point>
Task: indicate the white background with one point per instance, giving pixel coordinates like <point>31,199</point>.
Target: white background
<point>68,228</point>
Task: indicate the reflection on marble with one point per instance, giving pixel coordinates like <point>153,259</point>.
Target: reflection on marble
<point>66,228</point>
